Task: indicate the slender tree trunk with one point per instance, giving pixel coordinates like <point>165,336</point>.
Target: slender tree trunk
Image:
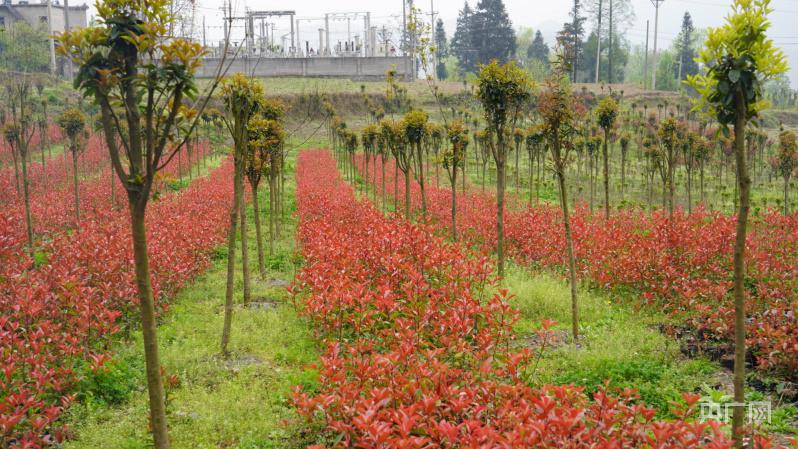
<point>258,230</point>
<point>623,173</point>
<point>272,213</point>
<point>245,253</point>
<point>500,181</point>
<point>454,204</point>
<point>407,193</point>
<point>113,186</point>
<point>16,168</point>
<point>44,162</point>
<point>569,243</point>
<point>786,189</point>
<point>382,167</point>
<point>238,194</point>
<point>395,186</point>
<point>149,328</point>
<point>75,184</point>
<point>26,194</point>
<point>606,175</point>
<point>689,191</point>
<point>744,184</point>
<point>421,182</point>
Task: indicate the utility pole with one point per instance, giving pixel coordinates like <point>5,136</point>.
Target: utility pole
<point>654,56</point>
<point>598,44</point>
<point>203,33</point>
<point>51,38</point>
<point>66,29</point>
<point>576,40</point>
<point>609,50</point>
<point>436,55</point>
<point>645,62</point>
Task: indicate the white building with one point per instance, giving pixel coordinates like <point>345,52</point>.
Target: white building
<point>35,14</point>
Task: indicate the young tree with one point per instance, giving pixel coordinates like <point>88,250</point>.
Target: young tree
<point>739,58</point>
<point>607,113</point>
<point>242,98</point>
<point>503,91</point>
<point>414,128</point>
<point>140,77</point>
<point>669,142</point>
<point>73,122</point>
<point>785,161</point>
<point>452,159</point>
<point>556,107</point>
<point>19,134</point>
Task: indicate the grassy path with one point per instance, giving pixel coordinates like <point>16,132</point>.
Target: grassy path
<point>212,403</point>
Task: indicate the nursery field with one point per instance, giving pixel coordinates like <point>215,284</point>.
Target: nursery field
<point>500,262</point>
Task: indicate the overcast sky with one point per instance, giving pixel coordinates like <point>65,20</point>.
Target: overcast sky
<point>546,15</point>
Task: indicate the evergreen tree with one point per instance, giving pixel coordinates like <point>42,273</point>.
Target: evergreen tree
<point>569,39</point>
<point>462,45</point>
<point>686,65</point>
<point>539,50</point>
<point>620,55</point>
<point>493,32</point>
<point>442,50</point>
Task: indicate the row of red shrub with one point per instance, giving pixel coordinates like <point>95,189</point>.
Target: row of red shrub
<point>683,264</point>
<point>417,357</point>
<point>61,310</point>
<point>54,135</point>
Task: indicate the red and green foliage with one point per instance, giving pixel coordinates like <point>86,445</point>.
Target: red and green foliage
<point>418,356</point>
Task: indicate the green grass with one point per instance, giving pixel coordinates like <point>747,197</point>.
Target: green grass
<point>619,343</point>
<point>214,403</point>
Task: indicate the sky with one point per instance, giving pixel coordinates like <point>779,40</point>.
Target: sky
<point>546,15</point>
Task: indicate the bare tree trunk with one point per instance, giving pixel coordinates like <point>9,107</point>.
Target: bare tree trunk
<point>421,182</point>
<point>238,193</point>
<point>75,184</point>
<point>744,184</point>
<point>272,213</point>
<point>569,243</point>
<point>16,168</point>
<point>382,167</point>
<point>258,230</point>
<point>148,326</point>
<point>500,180</point>
<point>606,175</point>
<point>454,204</point>
<point>786,190</point>
<point>26,194</point>
<point>407,193</point>
<point>245,253</point>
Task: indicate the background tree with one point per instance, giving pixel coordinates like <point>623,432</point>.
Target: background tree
<point>538,50</point>
<point>242,97</point>
<point>441,50</point>
<point>140,77</point>
<point>462,45</point>
<point>503,92</point>
<point>569,40</point>
<point>610,19</point>
<point>684,45</point>
<point>495,32</point>
<point>739,58</point>
<point>73,122</point>
<point>24,49</point>
<point>785,161</point>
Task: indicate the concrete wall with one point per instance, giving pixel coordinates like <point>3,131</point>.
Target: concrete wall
<point>33,14</point>
<point>335,67</point>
